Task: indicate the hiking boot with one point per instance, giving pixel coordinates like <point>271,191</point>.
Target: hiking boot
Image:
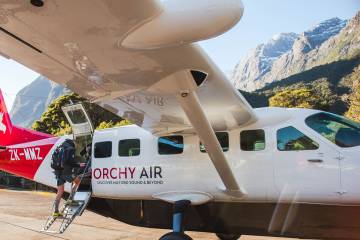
<point>57,214</point>
<point>71,202</point>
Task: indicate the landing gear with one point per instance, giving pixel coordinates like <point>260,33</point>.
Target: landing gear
<point>175,236</point>
<point>178,222</point>
<point>223,236</point>
<point>37,3</point>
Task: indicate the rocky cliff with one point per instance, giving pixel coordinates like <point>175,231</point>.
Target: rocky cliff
<point>309,49</point>
<point>33,99</point>
<point>258,62</point>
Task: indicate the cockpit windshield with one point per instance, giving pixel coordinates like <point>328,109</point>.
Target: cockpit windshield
<point>337,129</point>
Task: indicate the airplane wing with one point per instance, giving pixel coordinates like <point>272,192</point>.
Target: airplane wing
<point>134,58</point>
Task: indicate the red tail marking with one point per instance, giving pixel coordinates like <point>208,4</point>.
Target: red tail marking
<point>25,159</point>
<point>25,149</point>
<point>5,123</point>
<point>10,134</point>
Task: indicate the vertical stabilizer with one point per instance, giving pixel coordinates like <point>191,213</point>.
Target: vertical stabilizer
<point>22,150</point>
<point>5,123</point>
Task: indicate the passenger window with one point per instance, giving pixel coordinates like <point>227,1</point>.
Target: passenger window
<point>252,140</point>
<point>336,129</point>
<point>103,149</point>
<point>170,145</point>
<point>129,147</point>
<point>291,139</point>
<point>223,138</point>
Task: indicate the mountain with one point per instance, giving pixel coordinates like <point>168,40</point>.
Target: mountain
<point>317,35</point>
<point>33,99</point>
<point>293,59</point>
<point>331,82</point>
<point>330,70</point>
<point>259,61</point>
<point>345,45</point>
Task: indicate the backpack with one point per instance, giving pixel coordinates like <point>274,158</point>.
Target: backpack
<point>63,155</point>
<point>58,158</point>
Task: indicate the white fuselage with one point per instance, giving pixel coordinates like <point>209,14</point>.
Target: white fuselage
<point>326,175</point>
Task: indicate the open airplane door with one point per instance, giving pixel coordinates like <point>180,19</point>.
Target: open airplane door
<point>79,120</point>
<point>82,131</point>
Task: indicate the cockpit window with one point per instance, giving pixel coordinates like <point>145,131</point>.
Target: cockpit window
<point>337,129</point>
<point>291,139</point>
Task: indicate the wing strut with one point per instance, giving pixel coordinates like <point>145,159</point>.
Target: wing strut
<point>191,105</point>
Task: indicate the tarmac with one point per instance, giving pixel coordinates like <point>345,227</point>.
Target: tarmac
<point>23,214</point>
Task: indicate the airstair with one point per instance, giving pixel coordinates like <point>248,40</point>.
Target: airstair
<point>71,209</point>
<point>69,213</point>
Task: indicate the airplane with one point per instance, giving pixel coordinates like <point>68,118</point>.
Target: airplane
<point>198,157</point>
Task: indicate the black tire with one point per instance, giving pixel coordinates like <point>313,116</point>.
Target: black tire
<point>223,236</point>
<point>175,236</point>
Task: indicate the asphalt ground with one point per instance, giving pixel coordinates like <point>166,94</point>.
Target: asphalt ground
<point>23,214</point>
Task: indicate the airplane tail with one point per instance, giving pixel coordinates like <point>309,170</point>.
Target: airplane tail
<point>11,134</point>
<point>22,150</point>
<point>5,123</point>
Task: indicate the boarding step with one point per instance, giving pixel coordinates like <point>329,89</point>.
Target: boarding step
<point>69,212</point>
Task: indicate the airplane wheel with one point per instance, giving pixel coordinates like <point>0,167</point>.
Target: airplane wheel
<point>223,236</point>
<point>175,236</point>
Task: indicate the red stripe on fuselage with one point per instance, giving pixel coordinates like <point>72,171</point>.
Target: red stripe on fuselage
<point>25,159</point>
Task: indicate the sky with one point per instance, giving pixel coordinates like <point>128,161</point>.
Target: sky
<point>261,20</point>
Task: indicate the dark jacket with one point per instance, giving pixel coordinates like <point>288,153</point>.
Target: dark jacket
<point>70,165</point>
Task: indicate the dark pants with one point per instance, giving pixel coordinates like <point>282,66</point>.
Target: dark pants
<point>62,179</point>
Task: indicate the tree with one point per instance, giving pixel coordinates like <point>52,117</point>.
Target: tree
<point>53,120</point>
<point>354,109</point>
<point>354,98</point>
<point>296,98</point>
<point>111,124</point>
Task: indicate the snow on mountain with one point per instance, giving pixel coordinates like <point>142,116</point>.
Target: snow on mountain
<point>259,61</point>
<point>283,55</point>
<point>323,31</point>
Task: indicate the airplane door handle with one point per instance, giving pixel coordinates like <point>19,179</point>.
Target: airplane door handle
<point>315,160</point>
